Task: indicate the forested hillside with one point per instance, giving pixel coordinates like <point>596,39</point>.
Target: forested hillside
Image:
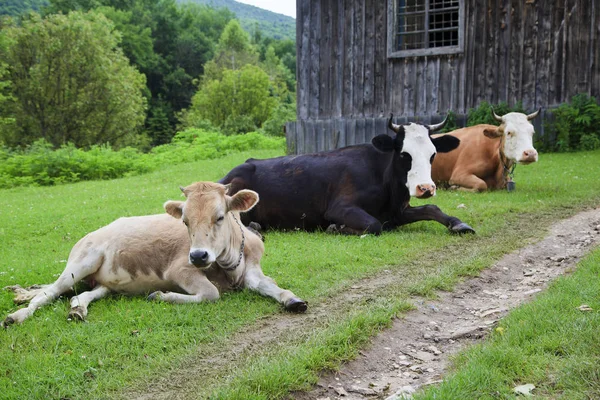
<point>276,26</point>
<point>16,7</point>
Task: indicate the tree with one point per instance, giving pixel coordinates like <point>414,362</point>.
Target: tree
<point>169,43</point>
<point>7,121</point>
<point>71,82</point>
<point>240,100</point>
<point>234,51</point>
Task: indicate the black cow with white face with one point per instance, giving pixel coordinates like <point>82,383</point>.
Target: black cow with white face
<point>359,189</point>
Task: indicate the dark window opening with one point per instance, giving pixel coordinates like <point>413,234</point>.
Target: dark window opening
<point>425,24</point>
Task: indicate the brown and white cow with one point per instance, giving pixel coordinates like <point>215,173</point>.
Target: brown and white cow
<point>152,253</point>
<point>487,154</point>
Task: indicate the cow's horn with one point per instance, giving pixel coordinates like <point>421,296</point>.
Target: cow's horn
<point>496,116</point>
<point>437,127</point>
<point>533,114</point>
<point>393,126</point>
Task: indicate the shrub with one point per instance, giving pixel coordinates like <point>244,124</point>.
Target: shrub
<point>39,165</point>
<point>576,124</point>
<point>280,115</point>
<point>483,113</point>
<point>450,123</point>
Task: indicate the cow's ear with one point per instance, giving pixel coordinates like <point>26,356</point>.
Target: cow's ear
<point>445,143</point>
<point>174,208</point>
<point>243,200</point>
<point>492,133</point>
<point>383,143</point>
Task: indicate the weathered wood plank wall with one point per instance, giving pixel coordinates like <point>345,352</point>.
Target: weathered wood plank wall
<point>538,52</point>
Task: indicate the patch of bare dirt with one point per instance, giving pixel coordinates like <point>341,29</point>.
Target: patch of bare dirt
<point>415,351</point>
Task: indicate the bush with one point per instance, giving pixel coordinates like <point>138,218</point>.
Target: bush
<point>280,115</point>
<point>576,124</point>
<point>451,124</point>
<point>39,165</point>
<point>239,125</point>
<point>483,113</point>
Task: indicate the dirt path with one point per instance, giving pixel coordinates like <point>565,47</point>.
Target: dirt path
<point>415,351</point>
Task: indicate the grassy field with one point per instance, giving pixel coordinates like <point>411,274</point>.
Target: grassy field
<point>128,341</point>
<point>549,343</point>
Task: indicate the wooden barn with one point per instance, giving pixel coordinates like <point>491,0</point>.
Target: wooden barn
<point>360,60</point>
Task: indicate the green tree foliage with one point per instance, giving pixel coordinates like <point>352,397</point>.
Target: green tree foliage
<point>170,44</point>
<point>234,51</point>
<point>281,114</point>
<point>285,50</point>
<point>7,120</point>
<point>240,93</point>
<point>240,101</point>
<point>71,82</point>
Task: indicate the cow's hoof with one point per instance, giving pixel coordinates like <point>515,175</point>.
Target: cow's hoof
<point>462,228</point>
<point>296,305</point>
<point>154,296</point>
<point>21,299</point>
<point>13,288</point>
<point>76,314</point>
<point>8,321</point>
<point>333,228</point>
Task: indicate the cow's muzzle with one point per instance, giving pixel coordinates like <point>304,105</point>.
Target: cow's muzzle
<point>425,191</point>
<point>528,157</point>
<point>201,258</point>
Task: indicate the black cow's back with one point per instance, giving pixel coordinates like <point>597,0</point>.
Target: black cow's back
<point>296,191</point>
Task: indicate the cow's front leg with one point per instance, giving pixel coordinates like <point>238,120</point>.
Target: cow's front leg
<point>468,182</point>
<point>192,281</point>
<point>353,220</point>
<point>79,304</point>
<point>255,279</point>
<point>432,212</point>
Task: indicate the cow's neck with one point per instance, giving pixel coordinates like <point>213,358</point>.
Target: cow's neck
<point>507,164</point>
<point>231,258</point>
<point>398,193</point>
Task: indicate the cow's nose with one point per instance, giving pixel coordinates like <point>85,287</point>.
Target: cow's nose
<point>426,190</point>
<point>529,156</point>
<point>198,257</point>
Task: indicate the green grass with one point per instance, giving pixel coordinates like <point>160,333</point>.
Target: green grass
<point>128,340</point>
<point>549,343</point>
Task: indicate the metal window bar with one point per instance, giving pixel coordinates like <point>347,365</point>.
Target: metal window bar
<point>440,24</point>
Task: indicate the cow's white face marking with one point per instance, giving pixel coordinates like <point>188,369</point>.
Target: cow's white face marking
<point>418,145</point>
<point>518,135</point>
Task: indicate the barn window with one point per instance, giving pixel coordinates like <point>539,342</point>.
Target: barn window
<point>425,27</point>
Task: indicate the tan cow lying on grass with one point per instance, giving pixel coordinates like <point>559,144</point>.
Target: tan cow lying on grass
<point>487,154</point>
<point>153,254</point>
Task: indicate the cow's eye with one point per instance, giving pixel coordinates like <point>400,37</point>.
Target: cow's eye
<point>185,222</point>
<point>509,134</point>
<point>403,154</point>
<point>432,157</point>
<point>221,218</point>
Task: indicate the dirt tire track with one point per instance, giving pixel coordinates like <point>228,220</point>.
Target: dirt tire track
<point>376,365</point>
<point>415,351</point>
